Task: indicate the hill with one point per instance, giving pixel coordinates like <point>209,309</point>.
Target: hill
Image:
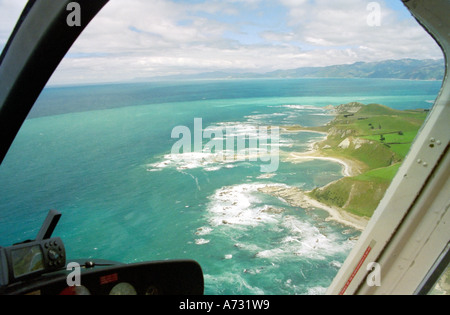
<point>377,139</point>
<point>410,69</point>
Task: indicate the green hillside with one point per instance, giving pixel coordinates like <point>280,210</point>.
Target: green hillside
<point>377,139</point>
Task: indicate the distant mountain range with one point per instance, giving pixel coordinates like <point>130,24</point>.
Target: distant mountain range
<point>408,69</point>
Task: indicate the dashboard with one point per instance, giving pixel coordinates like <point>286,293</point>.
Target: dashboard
<point>182,277</point>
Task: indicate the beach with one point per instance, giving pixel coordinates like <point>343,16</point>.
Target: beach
<point>299,198</point>
<point>349,167</point>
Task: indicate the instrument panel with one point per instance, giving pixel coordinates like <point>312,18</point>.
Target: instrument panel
<point>153,278</point>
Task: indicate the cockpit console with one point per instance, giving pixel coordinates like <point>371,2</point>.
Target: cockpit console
<point>40,267</point>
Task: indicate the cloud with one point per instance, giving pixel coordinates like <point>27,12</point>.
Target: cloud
<point>346,24</point>
<point>140,38</point>
<point>10,11</point>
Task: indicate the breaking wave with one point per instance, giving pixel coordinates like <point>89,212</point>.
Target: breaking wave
<point>240,207</point>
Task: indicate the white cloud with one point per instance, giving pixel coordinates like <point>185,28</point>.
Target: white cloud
<point>141,38</point>
<point>344,23</point>
<point>10,11</point>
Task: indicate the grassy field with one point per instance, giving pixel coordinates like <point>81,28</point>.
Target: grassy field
<point>380,175</point>
<point>376,137</point>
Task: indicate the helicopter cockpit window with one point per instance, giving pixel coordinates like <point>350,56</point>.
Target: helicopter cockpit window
<point>256,137</point>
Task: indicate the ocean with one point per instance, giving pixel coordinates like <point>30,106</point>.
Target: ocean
<point>102,155</point>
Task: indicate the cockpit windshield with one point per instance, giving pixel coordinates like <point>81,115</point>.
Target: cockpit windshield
<point>256,137</point>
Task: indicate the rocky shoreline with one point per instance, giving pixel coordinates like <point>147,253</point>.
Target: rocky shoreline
<point>299,198</point>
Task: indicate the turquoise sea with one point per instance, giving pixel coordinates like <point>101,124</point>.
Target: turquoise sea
<point>101,155</point>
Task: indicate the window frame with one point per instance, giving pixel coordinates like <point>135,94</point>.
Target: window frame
<point>409,230</point>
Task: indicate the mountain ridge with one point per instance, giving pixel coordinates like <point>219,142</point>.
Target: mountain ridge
<point>406,69</point>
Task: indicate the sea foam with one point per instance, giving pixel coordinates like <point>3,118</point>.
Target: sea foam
<point>241,206</point>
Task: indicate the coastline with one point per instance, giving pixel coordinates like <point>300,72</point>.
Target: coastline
<point>299,198</point>
<point>349,168</point>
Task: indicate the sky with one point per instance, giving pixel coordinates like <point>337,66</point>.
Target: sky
<point>135,39</point>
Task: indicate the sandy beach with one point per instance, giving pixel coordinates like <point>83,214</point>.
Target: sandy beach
<point>298,198</point>
<point>349,169</point>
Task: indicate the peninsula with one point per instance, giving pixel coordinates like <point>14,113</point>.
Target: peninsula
<point>370,141</point>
